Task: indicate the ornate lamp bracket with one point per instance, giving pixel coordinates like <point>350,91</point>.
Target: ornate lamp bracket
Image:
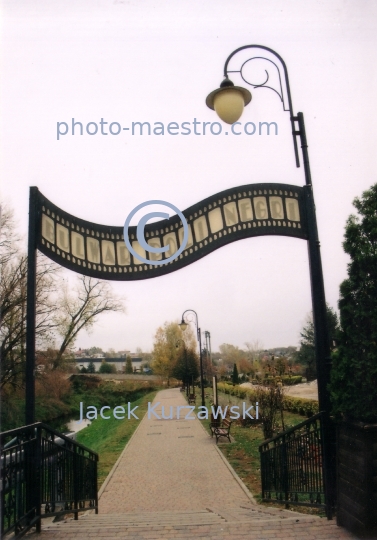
<point>189,319</point>
<point>283,91</point>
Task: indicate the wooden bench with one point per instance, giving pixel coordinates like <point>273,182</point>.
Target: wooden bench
<point>215,423</point>
<point>223,430</point>
<point>192,399</point>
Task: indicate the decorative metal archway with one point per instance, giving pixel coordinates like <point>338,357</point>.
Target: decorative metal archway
<point>100,251</point>
<point>241,212</point>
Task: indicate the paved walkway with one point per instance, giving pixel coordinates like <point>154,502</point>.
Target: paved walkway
<point>171,482</point>
<point>170,465</point>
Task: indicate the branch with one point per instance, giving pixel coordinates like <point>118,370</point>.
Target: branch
<point>93,298</point>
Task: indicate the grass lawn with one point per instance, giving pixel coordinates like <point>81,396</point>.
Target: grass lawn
<point>109,437</point>
<point>243,453</point>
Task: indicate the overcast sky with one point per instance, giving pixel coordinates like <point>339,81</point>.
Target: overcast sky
<point>149,61</point>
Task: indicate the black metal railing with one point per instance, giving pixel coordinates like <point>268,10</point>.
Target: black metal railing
<point>292,465</point>
<point>44,473</point>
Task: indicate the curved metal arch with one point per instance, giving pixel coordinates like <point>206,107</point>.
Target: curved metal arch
<point>234,214</point>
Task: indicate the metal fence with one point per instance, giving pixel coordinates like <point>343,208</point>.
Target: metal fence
<point>44,473</point>
<point>292,466</point>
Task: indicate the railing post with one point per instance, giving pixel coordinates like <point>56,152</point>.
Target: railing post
<point>96,482</point>
<point>28,472</point>
<point>75,481</point>
<point>285,472</point>
<point>38,471</point>
<point>262,468</point>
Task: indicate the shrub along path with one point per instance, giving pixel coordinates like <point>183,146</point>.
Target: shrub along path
<point>171,481</point>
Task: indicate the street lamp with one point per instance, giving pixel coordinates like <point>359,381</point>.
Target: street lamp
<point>183,325</point>
<point>228,101</point>
<point>207,335</point>
<point>208,364</point>
<point>187,374</point>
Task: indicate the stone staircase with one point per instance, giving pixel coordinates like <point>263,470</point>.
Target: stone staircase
<point>252,522</point>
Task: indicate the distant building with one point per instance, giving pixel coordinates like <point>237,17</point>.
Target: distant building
<point>81,353</point>
<point>84,353</point>
<point>119,363</point>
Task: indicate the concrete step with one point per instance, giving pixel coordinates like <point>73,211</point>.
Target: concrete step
<point>252,523</point>
<point>139,520</point>
<point>147,522</point>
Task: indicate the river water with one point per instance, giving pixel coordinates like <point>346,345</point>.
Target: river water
<point>75,426</point>
<point>66,424</point>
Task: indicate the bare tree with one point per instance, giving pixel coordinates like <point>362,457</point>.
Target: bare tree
<point>9,239</point>
<point>13,314</point>
<point>13,277</point>
<point>76,312</point>
<point>254,349</point>
<point>61,314</point>
<point>270,402</point>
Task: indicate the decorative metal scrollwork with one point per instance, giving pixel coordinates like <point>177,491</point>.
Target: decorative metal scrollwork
<point>283,91</point>
<point>279,92</point>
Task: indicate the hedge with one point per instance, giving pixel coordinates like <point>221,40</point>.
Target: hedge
<point>305,407</point>
<point>288,380</point>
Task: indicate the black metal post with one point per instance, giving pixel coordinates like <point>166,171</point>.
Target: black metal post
<point>31,310</point>
<point>186,381</point>
<point>215,396</point>
<point>76,480</point>
<point>322,345</point>
<point>187,373</point>
<point>322,342</point>
<point>199,337</point>
<point>285,485</point>
<point>209,348</point>
<point>36,487</point>
<point>201,368</point>
<point>209,366</point>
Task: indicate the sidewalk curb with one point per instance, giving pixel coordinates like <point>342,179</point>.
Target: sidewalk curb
<point>232,471</point>
<point>116,464</point>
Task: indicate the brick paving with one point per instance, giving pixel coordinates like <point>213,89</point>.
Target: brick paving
<point>172,483</point>
<point>170,465</point>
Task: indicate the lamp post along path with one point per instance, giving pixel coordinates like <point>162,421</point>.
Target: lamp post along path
<point>187,381</point>
<point>183,325</point>
<point>229,101</point>
<point>207,368</point>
